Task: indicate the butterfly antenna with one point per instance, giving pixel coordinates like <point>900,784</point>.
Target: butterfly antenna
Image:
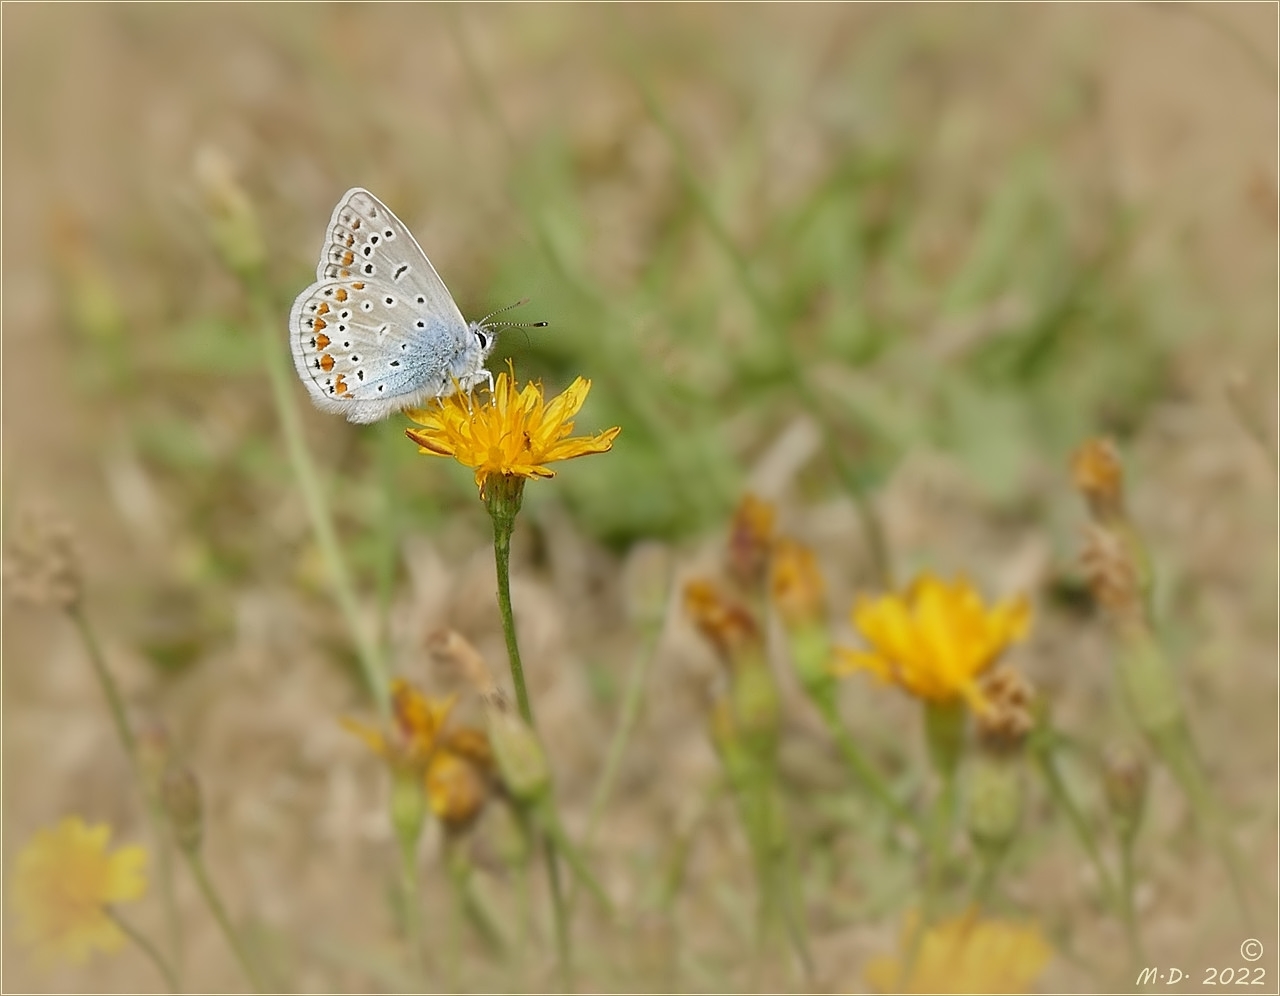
<point>510,325</point>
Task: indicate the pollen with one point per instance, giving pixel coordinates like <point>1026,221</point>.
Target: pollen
<point>326,362</point>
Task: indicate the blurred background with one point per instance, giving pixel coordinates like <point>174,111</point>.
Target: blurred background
<point>912,252</point>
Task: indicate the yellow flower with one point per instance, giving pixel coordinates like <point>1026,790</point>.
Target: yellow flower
<point>454,766</point>
<point>963,955</point>
<point>516,434</point>
<point>460,777</point>
<point>417,721</point>
<point>935,639</point>
<point>63,884</point>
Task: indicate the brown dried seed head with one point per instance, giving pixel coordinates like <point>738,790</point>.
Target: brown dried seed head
<point>1006,722</point>
<point>1112,574</point>
<point>40,566</point>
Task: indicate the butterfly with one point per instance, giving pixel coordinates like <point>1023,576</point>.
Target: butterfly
<point>378,331</point>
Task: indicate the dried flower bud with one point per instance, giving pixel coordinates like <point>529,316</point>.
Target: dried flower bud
<point>730,627</point>
<point>751,541</point>
<point>1098,475</point>
<point>180,796</point>
<point>796,584</point>
<point>451,649</point>
<point>40,566</point>
<point>1004,725</point>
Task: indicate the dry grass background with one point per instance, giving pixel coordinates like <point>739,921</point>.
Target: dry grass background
<point>106,110</point>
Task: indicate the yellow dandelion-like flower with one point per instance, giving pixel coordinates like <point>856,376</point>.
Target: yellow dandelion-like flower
<point>935,639</point>
<point>63,884</point>
<point>416,724</point>
<point>516,434</point>
<point>965,954</point>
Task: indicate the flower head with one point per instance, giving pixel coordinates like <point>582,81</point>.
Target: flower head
<point>935,639</point>
<point>963,955</point>
<point>416,724</point>
<point>1098,475</point>
<point>63,884</point>
<point>454,766</point>
<point>516,434</point>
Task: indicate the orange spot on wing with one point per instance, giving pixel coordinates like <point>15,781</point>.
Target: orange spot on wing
<point>319,324</point>
<point>359,286</point>
<point>322,341</point>
<point>351,240</point>
<point>326,363</point>
<point>344,273</point>
<point>323,309</point>
<point>355,224</point>
<point>340,385</point>
<point>340,294</point>
<point>348,258</point>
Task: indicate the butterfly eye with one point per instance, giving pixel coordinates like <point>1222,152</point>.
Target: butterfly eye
<point>484,342</point>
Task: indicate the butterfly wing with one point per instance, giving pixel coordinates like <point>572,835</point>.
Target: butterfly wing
<point>378,331</point>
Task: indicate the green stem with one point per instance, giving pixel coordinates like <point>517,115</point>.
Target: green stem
<point>1042,750</point>
<point>313,497</point>
<point>154,811</point>
<point>412,905</point>
<point>149,949</point>
<point>861,767</point>
<point>115,701</point>
<point>632,699</point>
<point>564,952</point>
<point>503,509</point>
<point>214,903</point>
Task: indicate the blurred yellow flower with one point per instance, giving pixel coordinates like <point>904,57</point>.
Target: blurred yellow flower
<point>796,584</point>
<point>963,955</point>
<point>516,434</point>
<point>935,639</point>
<point>455,766</point>
<point>63,883</point>
<point>416,724</point>
<point>460,777</point>
<point>729,626</point>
